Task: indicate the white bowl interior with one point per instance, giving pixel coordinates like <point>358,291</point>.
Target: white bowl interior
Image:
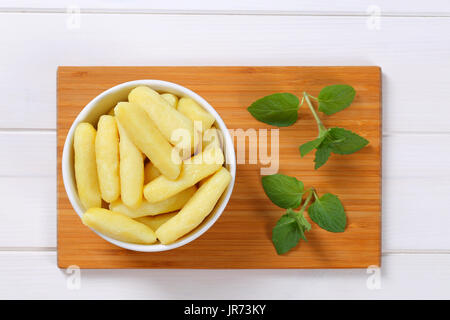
<point>101,105</point>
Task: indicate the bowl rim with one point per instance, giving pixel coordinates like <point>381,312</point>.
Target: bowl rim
<point>230,157</point>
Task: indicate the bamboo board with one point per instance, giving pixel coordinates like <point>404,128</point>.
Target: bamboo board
<point>241,238</point>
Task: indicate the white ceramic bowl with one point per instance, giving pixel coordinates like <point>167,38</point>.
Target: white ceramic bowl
<point>101,105</point>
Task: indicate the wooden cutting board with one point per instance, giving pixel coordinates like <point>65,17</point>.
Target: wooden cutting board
<point>241,238</point>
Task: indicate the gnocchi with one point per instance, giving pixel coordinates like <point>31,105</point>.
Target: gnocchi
<point>139,183</point>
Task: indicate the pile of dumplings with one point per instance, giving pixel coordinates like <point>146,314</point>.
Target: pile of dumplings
<point>153,169</point>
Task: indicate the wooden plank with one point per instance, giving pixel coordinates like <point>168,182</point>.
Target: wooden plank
<point>241,237</point>
<point>232,40</point>
<point>32,275</point>
<point>27,153</point>
<point>28,212</point>
<point>416,191</point>
<point>406,7</point>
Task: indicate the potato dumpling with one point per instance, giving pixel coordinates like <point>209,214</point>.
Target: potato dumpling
<point>175,202</point>
<point>197,208</point>
<point>150,172</point>
<point>146,136</point>
<point>194,170</point>
<point>195,112</point>
<point>154,222</point>
<point>85,165</point>
<point>171,99</point>
<point>118,226</point>
<point>107,158</point>
<point>131,170</point>
<point>171,123</point>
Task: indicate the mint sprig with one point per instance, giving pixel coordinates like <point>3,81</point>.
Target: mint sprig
<point>327,211</point>
<point>333,140</point>
<point>291,228</point>
<point>281,109</point>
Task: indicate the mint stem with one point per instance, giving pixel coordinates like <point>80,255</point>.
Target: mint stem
<point>308,198</point>
<point>301,103</point>
<point>315,195</point>
<point>300,213</point>
<point>320,125</point>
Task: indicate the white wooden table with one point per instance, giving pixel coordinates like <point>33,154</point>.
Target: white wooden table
<point>409,39</point>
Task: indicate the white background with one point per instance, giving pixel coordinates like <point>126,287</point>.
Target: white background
<point>410,40</point>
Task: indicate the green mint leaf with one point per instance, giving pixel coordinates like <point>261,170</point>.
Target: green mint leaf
<point>328,213</point>
<point>286,234</point>
<point>310,145</point>
<point>279,109</point>
<point>289,230</point>
<point>345,141</point>
<point>323,152</point>
<point>335,98</point>
<point>286,192</point>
